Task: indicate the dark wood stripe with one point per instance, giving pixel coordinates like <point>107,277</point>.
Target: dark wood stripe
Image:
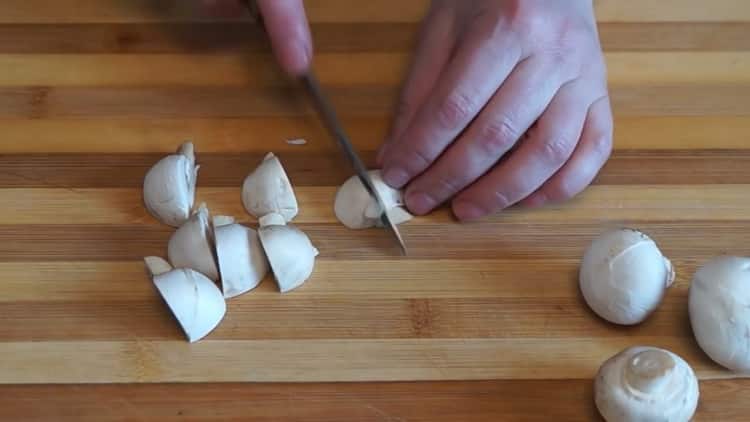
<point>686,240</point>
<point>71,171</point>
<point>252,318</point>
<point>329,37</point>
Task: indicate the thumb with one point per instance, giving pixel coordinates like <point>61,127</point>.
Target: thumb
<point>289,31</point>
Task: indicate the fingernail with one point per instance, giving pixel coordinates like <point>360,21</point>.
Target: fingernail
<point>299,59</point>
<point>395,177</point>
<point>467,211</point>
<point>419,202</point>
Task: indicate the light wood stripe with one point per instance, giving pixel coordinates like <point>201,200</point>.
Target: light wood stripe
<point>84,11</point>
<point>144,135</point>
<point>598,203</point>
<point>324,360</point>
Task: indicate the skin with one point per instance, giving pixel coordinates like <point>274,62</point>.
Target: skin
<point>505,103</point>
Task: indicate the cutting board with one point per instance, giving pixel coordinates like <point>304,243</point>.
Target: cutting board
<point>484,320</point>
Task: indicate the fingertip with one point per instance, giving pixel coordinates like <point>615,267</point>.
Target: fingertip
<point>467,211</point>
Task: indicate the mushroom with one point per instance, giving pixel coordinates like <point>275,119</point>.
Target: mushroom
<point>242,262</point>
<point>268,189</point>
<point>193,299</point>
<point>356,209</point>
<point>644,384</point>
<point>719,308</point>
<point>624,276</point>
<point>169,186</point>
<point>290,253</point>
<point>191,245</point>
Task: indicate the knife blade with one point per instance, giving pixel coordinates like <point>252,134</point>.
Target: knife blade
<point>328,115</point>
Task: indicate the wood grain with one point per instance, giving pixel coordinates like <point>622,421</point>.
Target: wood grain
<point>482,321</point>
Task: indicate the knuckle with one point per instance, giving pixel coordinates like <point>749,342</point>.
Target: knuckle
<point>501,200</point>
<point>455,110</point>
<point>556,151</point>
<point>498,137</point>
<point>417,160</point>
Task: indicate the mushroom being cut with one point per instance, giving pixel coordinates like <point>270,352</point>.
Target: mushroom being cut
<point>290,253</point>
<point>193,299</point>
<point>356,209</point>
<point>624,276</point>
<point>242,262</point>
<point>268,190</point>
<point>644,384</point>
<point>191,245</point>
<point>169,186</point>
<point>719,307</point>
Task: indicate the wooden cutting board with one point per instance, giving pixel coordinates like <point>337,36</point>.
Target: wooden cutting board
<point>485,320</point>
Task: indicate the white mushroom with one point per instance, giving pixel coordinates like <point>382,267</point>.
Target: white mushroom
<point>290,253</point>
<point>624,276</point>
<point>242,262</point>
<point>271,219</point>
<point>193,299</point>
<point>268,189</point>
<point>169,186</point>
<point>191,245</point>
<point>642,384</point>
<point>719,307</point>
<point>356,209</point>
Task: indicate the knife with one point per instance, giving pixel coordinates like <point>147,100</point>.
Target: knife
<point>328,115</point>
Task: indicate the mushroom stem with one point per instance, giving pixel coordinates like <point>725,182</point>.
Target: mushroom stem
<point>649,371</point>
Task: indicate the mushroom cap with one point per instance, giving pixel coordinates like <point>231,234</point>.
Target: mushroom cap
<point>290,253</point>
<point>194,300</point>
<point>242,262</point>
<point>624,276</point>
<point>645,383</point>
<point>356,209</point>
<point>190,246</point>
<point>268,189</point>
<point>169,187</point>
<point>719,307</point>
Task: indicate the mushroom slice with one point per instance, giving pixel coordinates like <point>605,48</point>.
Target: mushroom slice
<point>646,384</point>
<point>169,186</point>
<point>242,262</point>
<point>268,190</point>
<point>191,245</point>
<point>356,209</point>
<point>624,276</point>
<point>719,307</point>
<point>193,299</point>
<point>290,253</point>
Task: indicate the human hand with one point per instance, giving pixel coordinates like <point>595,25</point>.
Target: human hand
<point>287,27</point>
<point>519,80</point>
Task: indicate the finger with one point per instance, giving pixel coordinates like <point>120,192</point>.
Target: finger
<point>286,23</point>
<point>520,101</point>
<point>433,51</point>
<point>588,159</point>
<point>462,91</point>
<point>535,161</point>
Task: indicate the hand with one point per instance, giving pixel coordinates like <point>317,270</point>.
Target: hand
<point>485,73</point>
<point>287,27</point>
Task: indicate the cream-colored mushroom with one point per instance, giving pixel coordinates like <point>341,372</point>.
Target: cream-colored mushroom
<point>268,190</point>
<point>191,245</point>
<point>169,186</point>
<point>272,219</point>
<point>193,299</point>
<point>624,276</point>
<point>290,253</point>
<point>242,262</point>
<point>356,209</point>
<point>719,307</point>
<point>643,384</point>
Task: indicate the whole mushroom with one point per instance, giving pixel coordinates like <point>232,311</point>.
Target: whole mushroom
<point>719,307</point>
<point>643,384</point>
<point>624,276</point>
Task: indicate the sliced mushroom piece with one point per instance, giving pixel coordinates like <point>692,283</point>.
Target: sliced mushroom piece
<point>290,253</point>
<point>191,245</point>
<point>242,261</point>
<point>356,209</point>
<point>268,190</point>
<point>169,186</point>
<point>642,383</point>
<point>193,299</point>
